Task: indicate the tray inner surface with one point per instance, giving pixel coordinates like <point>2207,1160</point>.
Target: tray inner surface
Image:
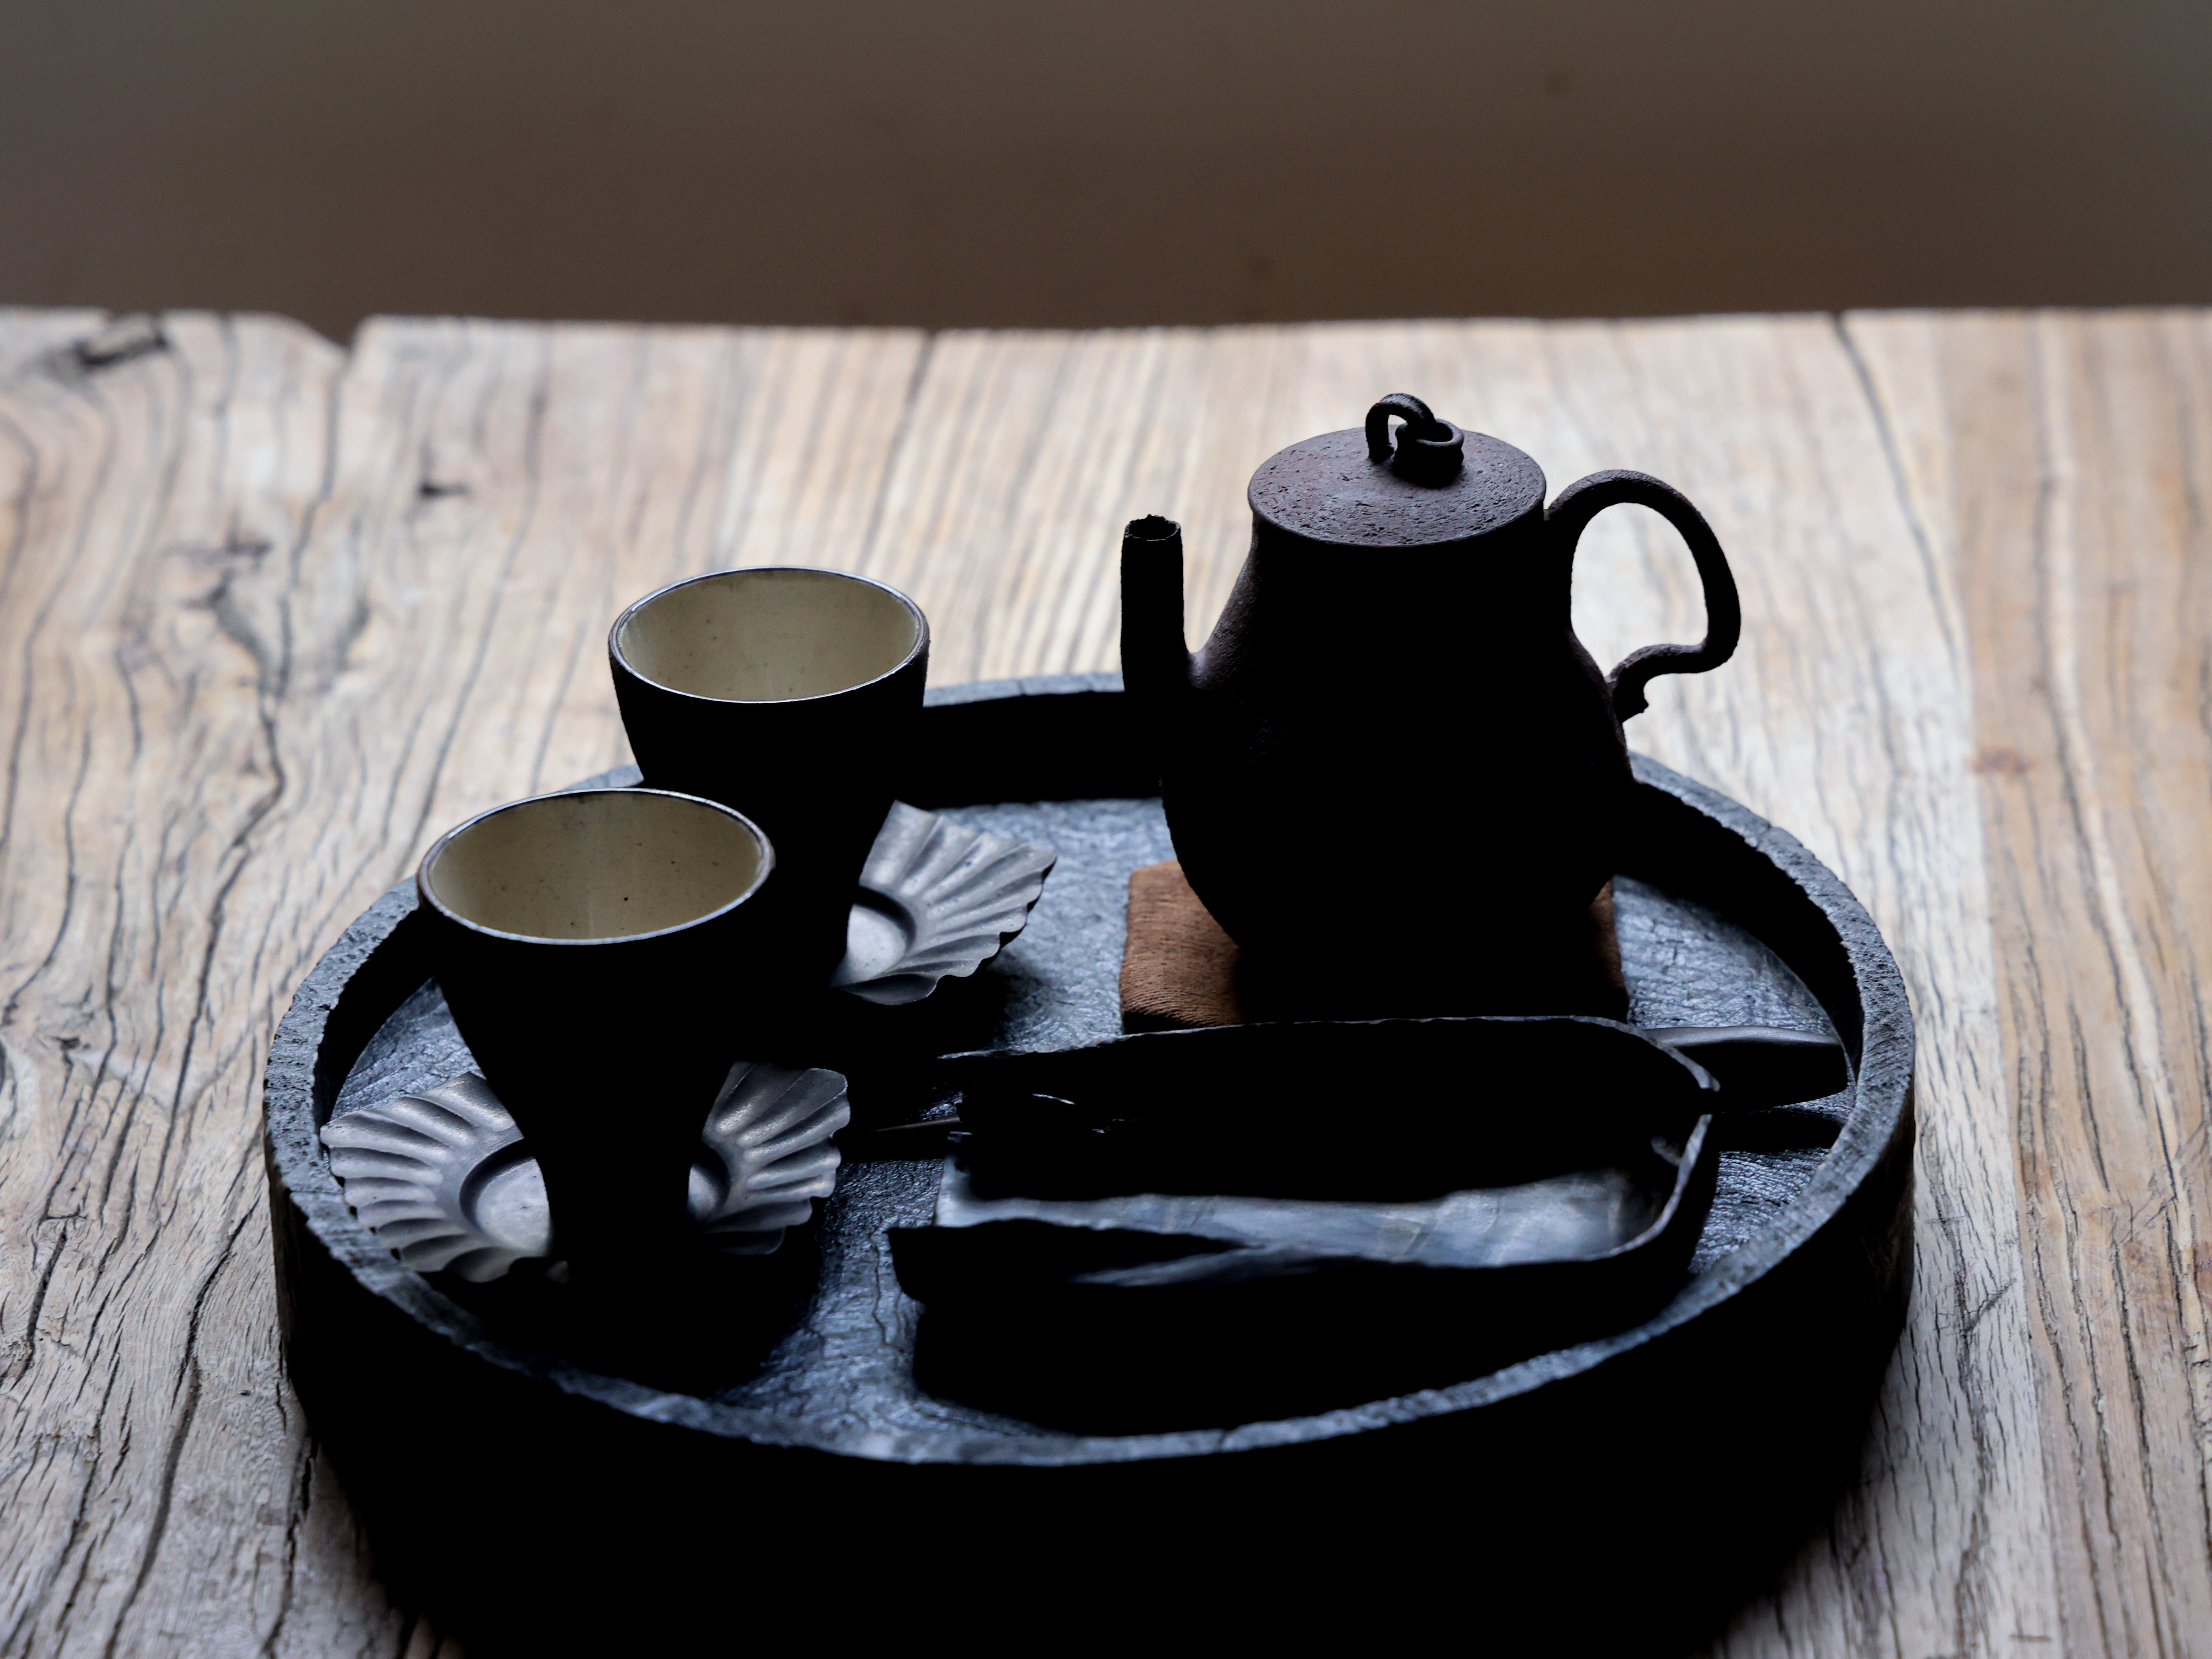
<point>848,1358</point>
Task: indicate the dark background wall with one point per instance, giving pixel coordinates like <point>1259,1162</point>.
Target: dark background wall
<point>1129,160</point>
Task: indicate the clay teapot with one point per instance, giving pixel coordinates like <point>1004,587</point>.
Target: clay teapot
<point>1393,759</point>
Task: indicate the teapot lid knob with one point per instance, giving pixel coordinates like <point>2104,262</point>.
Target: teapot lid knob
<point>1428,450</point>
<point>1436,485</point>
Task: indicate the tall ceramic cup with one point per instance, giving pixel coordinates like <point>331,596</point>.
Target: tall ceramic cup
<point>790,695</point>
<point>599,952</point>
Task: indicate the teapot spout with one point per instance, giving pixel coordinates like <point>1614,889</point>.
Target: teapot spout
<point>1155,657</point>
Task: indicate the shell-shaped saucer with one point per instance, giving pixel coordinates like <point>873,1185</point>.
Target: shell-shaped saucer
<point>445,1178</point>
<point>441,1177</point>
<point>937,900</point>
<point>768,1153</point>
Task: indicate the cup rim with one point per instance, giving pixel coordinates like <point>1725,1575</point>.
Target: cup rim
<point>426,895</point>
<point>615,646</point>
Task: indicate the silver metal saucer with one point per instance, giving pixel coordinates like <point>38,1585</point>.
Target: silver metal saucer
<point>444,1176</point>
<point>938,901</point>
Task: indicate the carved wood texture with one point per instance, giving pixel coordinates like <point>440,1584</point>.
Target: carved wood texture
<point>273,615</point>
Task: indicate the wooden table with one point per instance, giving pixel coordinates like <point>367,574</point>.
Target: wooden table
<point>273,614</point>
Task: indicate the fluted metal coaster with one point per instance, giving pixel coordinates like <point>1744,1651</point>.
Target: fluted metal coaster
<point>445,1178</point>
<point>937,900</point>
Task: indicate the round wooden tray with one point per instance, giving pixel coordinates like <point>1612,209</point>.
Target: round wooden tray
<point>520,1493</point>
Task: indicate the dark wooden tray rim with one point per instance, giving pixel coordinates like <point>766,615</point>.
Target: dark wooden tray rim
<point>1067,738</point>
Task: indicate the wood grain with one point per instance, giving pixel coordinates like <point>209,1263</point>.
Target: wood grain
<point>161,1483</point>
<point>272,616</point>
<point>2061,464</point>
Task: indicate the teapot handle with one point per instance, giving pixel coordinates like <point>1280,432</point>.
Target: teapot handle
<point>1569,516</point>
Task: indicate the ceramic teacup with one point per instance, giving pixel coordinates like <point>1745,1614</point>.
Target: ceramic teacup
<point>790,695</point>
<point>599,952</point>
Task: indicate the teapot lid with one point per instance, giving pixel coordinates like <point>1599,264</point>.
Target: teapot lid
<point>1435,484</point>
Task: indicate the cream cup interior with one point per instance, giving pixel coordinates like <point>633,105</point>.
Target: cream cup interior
<point>596,866</point>
<point>770,635</point>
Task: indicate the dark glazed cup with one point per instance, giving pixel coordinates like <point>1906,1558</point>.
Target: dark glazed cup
<point>789,694</point>
<point>601,953</point>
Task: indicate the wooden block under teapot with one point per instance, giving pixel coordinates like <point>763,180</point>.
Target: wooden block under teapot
<point>1180,970</point>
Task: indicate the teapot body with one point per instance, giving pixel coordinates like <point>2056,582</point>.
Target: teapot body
<point>1394,774</point>
<point>1384,771</point>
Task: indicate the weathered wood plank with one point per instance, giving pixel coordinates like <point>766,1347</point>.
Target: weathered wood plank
<point>158,1477</point>
<point>1844,717</point>
<point>2063,464</point>
<point>271,619</point>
